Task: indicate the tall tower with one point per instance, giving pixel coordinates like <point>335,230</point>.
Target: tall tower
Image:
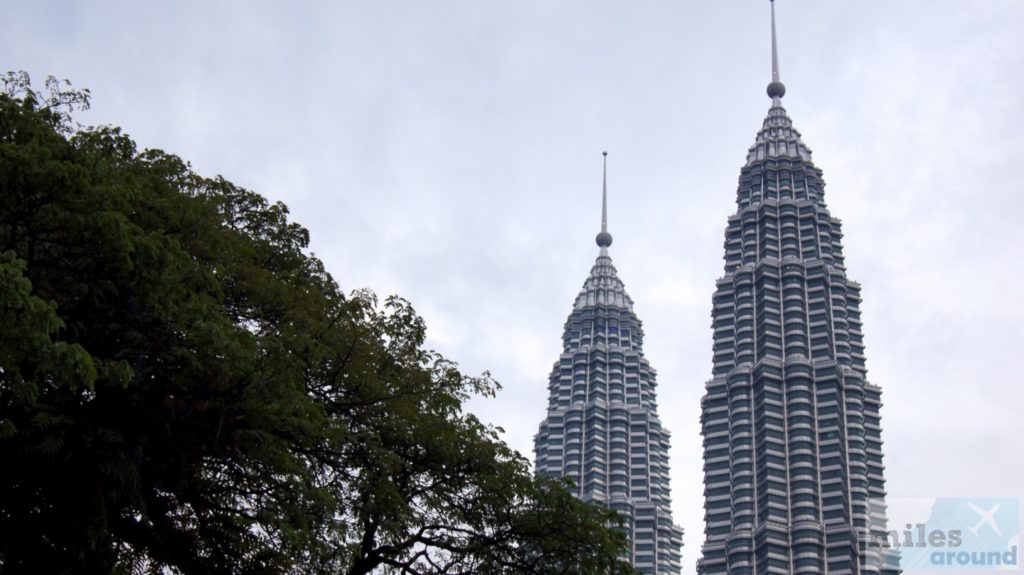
<point>602,428</point>
<point>792,447</point>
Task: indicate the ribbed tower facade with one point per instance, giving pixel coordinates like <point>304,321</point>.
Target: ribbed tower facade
<point>793,474</point>
<point>602,428</point>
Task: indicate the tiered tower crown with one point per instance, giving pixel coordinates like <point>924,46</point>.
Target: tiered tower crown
<point>778,138</point>
<point>603,286</point>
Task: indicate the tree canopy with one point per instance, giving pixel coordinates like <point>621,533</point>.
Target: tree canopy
<point>184,388</point>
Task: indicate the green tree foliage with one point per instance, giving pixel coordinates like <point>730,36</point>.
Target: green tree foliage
<point>183,388</point>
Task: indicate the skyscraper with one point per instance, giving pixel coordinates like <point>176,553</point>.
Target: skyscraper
<point>792,448</point>
<point>602,428</point>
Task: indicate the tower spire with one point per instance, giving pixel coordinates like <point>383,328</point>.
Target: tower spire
<point>604,239</point>
<point>776,90</point>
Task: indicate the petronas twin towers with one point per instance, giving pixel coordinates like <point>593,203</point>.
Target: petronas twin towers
<point>793,474</point>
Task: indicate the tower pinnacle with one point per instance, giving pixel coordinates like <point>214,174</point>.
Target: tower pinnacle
<point>776,90</point>
<point>604,239</point>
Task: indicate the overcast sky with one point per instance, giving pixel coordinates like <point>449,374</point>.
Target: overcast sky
<point>450,152</point>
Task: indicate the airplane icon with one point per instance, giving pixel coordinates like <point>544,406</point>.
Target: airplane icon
<point>987,518</point>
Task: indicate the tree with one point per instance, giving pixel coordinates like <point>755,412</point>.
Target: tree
<point>184,388</point>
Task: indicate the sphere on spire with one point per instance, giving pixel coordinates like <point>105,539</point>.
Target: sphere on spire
<point>776,89</point>
<point>604,239</point>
